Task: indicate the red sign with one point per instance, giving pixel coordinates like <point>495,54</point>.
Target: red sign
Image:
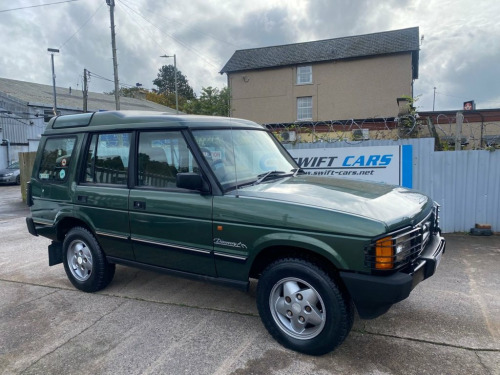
<point>469,106</point>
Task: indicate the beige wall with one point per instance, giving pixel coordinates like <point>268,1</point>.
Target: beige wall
<point>340,90</point>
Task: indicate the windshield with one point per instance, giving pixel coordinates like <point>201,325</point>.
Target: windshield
<point>242,156</point>
<point>14,165</point>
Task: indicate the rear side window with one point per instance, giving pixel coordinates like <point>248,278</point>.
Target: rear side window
<point>56,159</point>
<point>107,159</point>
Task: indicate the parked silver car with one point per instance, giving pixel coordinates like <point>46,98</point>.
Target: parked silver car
<point>11,174</point>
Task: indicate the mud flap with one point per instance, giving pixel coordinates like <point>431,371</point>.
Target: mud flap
<point>55,253</point>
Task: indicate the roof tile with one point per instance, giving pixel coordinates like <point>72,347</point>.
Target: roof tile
<point>396,41</point>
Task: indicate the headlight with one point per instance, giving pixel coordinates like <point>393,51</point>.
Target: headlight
<point>394,251</point>
<point>9,174</point>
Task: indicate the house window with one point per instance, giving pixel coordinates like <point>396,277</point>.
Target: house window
<point>304,75</point>
<point>304,108</point>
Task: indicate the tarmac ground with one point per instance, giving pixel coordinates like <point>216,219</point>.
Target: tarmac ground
<point>149,323</point>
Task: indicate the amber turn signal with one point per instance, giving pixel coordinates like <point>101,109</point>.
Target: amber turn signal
<point>384,253</point>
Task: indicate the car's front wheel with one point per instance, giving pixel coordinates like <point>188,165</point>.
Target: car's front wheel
<point>302,307</point>
<point>84,261</point>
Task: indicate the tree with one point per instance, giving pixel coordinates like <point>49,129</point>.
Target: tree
<point>166,82</point>
<point>212,102</point>
<point>166,99</point>
<point>128,92</point>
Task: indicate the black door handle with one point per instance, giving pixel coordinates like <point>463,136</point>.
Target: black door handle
<point>139,205</point>
<point>82,198</point>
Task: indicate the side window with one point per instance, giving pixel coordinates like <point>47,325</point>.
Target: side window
<point>107,159</point>
<point>56,159</point>
<point>161,156</point>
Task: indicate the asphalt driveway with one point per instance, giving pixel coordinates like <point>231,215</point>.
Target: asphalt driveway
<point>148,323</point>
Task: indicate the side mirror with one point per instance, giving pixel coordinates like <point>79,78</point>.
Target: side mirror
<point>191,181</point>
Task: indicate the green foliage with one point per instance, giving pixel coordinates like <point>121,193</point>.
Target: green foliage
<point>166,83</point>
<point>409,124</point>
<point>212,102</point>
<point>128,92</point>
<point>167,100</point>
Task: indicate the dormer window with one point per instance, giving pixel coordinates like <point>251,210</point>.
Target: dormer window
<point>304,75</point>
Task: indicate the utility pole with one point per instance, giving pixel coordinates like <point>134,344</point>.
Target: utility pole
<point>175,80</point>
<point>458,136</point>
<point>434,101</point>
<point>85,91</point>
<point>52,51</point>
<point>111,4</point>
<point>432,130</point>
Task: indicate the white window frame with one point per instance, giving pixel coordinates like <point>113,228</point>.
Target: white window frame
<point>304,75</point>
<point>304,108</point>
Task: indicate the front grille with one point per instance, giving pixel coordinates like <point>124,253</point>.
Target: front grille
<point>405,244</point>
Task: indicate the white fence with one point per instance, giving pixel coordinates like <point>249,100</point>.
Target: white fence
<point>465,183</point>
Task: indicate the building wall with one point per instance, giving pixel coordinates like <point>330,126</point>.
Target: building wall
<point>20,122</point>
<point>361,88</point>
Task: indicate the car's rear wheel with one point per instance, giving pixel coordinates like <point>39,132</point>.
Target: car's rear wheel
<point>302,307</point>
<point>18,180</point>
<point>84,261</point>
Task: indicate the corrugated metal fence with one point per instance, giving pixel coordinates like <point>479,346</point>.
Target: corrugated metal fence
<point>465,183</point>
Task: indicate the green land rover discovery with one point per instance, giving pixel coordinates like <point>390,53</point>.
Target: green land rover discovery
<point>220,199</point>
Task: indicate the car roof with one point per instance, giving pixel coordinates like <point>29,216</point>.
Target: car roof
<point>126,120</point>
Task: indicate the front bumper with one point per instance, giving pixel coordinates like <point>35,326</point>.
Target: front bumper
<point>8,180</point>
<point>374,295</point>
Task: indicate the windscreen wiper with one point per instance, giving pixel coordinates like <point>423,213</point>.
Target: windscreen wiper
<point>263,176</point>
<point>296,171</point>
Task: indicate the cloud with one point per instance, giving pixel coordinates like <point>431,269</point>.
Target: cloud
<point>459,54</point>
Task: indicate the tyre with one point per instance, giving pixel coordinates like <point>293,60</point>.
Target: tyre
<point>18,180</point>
<point>302,307</point>
<point>84,261</point>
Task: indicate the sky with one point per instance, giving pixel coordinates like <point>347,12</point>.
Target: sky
<point>459,52</point>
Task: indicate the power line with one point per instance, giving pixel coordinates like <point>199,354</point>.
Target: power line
<point>36,6</point>
<point>95,75</point>
<point>153,38</point>
<point>81,27</point>
<point>201,32</point>
<point>171,36</point>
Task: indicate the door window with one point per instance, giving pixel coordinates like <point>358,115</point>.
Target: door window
<point>161,156</point>
<point>107,159</point>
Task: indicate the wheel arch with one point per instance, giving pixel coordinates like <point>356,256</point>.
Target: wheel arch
<point>65,224</point>
<point>273,253</point>
<point>285,245</point>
